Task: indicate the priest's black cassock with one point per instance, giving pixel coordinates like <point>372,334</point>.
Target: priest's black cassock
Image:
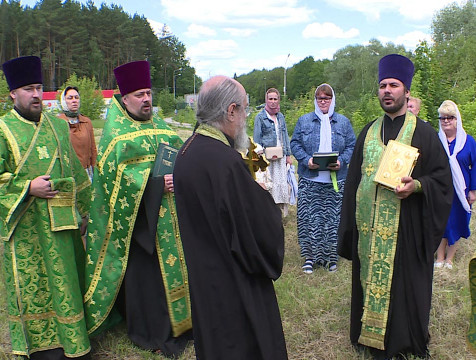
<point>233,241</point>
<point>423,219</point>
<point>142,297</point>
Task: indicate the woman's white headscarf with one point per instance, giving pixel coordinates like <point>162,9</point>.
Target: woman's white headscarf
<point>325,144</point>
<point>448,107</point>
<point>64,105</point>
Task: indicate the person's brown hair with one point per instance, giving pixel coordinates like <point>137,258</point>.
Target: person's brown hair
<point>324,88</point>
<point>273,90</point>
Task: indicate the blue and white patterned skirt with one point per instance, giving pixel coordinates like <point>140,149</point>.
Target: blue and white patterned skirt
<point>318,218</point>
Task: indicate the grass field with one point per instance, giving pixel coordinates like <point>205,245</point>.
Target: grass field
<point>315,311</point>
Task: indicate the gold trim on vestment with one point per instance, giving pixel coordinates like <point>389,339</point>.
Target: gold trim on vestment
<point>48,315</point>
<point>178,328</point>
<point>110,224</point>
<point>211,131</point>
<point>56,345</point>
<point>11,141</point>
<point>377,220</point>
<point>32,143</point>
<point>18,291</point>
<point>20,216</point>
<point>100,262</point>
<point>21,163</point>
<point>83,186</point>
<point>130,137</point>
<point>20,198</point>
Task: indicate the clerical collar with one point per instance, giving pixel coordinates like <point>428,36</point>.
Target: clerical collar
<point>211,131</point>
<point>29,118</point>
<point>391,128</point>
<point>398,118</point>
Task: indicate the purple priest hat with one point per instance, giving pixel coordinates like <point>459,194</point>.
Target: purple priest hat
<point>23,71</point>
<point>133,76</point>
<point>397,67</point>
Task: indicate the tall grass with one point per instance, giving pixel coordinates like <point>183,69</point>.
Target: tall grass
<point>315,311</point>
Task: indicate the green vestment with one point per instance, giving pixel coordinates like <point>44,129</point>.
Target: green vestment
<point>377,218</point>
<point>43,255</point>
<point>126,156</point>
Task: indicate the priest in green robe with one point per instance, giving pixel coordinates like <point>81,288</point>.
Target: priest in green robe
<point>44,195</point>
<point>135,267</point>
<point>391,235</point>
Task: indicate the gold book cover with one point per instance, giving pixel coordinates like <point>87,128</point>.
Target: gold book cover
<point>397,161</point>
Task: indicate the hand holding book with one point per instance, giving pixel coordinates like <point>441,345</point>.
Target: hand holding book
<point>168,183</point>
<point>396,166</point>
<point>326,160</point>
<point>164,162</point>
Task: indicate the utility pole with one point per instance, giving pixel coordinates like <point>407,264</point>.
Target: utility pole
<point>284,88</point>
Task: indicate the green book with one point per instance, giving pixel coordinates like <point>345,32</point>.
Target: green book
<point>165,160</point>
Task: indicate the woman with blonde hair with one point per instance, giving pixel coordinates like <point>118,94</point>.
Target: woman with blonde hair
<point>461,150</point>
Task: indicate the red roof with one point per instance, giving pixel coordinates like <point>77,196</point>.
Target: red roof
<point>51,95</point>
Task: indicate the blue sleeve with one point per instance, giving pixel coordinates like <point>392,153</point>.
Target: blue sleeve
<point>345,156</point>
<point>287,145</point>
<point>257,130</point>
<point>296,144</point>
<point>472,171</point>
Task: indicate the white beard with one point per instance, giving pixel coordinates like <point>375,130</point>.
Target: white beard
<point>242,141</point>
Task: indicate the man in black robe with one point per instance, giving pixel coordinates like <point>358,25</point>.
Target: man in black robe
<point>232,234</point>
<point>422,203</point>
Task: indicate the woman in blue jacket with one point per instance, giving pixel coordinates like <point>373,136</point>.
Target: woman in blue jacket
<point>461,150</point>
<point>270,132</point>
<point>320,191</point>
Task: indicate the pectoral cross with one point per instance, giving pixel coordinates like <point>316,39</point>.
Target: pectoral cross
<point>254,161</point>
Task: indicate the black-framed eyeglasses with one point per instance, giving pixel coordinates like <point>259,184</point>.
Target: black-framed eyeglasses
<point>447,118</point>
<point>324,98</point>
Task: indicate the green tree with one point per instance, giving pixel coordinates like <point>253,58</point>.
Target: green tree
<point>165,100</point>
<point>6,103</point>
<point>354,70</point>
<point>303,105</point>
<point>454,50</point>
<point>71,37</point>
<point>368,109</point>
<point>304,76</point>
<point>255,83</point>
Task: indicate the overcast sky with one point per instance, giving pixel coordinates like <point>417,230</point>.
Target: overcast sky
<point>228,37</point>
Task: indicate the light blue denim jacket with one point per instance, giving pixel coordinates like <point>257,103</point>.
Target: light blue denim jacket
<point>306,139</point>
<point>265,133</point>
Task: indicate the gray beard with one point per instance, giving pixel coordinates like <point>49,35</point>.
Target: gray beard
<point>242,141</point>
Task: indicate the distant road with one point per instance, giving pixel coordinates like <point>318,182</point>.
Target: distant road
<point>176,123</point>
